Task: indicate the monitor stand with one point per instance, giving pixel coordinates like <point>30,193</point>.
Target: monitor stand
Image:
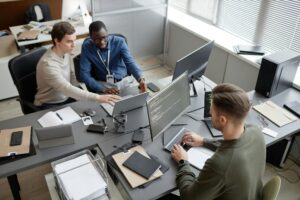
<point>194,94</point>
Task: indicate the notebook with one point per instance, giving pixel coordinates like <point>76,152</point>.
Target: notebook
<point>275,113</point>
<point>126,104</point>
<point>207,117</point>
<point>293,107</point>
<point>249,49</point>
<point>133,178</point>
<point>142,165</point>
<point>62,116</point>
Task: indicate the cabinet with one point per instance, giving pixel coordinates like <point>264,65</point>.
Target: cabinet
<point>7,87</point>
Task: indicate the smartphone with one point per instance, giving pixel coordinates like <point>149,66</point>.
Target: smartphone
<point>16,138</point>
<point>94,128</point>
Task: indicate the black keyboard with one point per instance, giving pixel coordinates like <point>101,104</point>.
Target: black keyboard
<point>177,140</point>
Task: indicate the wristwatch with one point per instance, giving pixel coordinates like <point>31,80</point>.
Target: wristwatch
<point>140,79</point>
<point>182,161</point>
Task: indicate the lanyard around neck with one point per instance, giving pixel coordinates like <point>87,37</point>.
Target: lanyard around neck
<point>106,65</point>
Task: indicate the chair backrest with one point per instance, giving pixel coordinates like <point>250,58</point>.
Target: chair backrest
<point>23,72</point>
<point>271,188</point>
<point>39,12</point>
<point>76,60</point>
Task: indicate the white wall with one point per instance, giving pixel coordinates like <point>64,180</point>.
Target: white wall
<point>222,66</point>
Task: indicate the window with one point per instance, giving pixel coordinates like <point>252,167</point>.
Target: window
<point>272,24</point>
<point>203,9</point>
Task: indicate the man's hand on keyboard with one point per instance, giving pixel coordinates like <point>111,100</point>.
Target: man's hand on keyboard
<point>110,98</point>
<point>192,139</point>
<point>178,153</point>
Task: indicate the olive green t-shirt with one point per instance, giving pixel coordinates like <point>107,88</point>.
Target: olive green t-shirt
<point>234,172</point>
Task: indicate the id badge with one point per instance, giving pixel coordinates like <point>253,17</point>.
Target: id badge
<point>110,79</point>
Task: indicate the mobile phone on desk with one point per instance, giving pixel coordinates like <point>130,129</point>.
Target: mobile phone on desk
<point>16,138</point>
<point>95,128</point>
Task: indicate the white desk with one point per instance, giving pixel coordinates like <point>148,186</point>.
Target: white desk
<point>81,31</point>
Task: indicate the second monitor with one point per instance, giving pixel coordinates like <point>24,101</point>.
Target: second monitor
<point>195,63</point>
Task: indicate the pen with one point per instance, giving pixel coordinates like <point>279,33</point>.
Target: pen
<point>178,124</point>
<point>59,117</point>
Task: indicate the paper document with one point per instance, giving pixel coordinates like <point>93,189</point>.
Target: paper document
<point>275,113</point>
<point>80,179</point>
<point>197,156</point>
<point>63,116</point>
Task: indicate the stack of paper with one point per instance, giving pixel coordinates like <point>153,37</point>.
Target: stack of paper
<point>63,116</point>
<point>80,180</point>
<point>275,113</point>
<point>197,156</point>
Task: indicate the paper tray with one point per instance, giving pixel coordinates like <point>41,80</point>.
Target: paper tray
<point>96,163</point>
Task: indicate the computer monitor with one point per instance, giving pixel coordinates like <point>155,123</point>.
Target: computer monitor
<point>195,63</point>
<point>167,105</point>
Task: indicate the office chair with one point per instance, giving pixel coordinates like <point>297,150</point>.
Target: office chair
<point>39,12</point>
<point>22,69</point>
<point>271,188</point>
<point>76,61</point>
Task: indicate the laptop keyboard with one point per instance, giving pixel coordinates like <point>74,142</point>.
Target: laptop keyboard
<point>109,108</point>
<point>177,140</point>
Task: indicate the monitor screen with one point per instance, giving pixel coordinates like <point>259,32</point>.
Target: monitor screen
<point>195,62</point>
<point>207,104</point>
<point>167,105</point>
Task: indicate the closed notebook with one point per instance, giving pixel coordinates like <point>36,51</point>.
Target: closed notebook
<point>293,107</point>
<point>141,165</point>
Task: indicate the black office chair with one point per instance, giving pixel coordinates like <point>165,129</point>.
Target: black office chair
<point>32,14</point>
<point>22,69</point>
<point>76,61</point>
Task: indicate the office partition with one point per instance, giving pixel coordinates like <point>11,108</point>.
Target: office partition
<point>141,21</point>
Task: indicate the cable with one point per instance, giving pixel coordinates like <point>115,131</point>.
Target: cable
<point>195,109</point>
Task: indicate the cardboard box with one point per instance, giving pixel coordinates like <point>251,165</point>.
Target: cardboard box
<point>8,46</point>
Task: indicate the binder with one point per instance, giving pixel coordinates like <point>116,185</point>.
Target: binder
<point>6,150</point>
<point>133,178</point>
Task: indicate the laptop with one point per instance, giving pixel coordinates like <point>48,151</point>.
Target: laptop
<point>207,117</point>
<point>127,103</point>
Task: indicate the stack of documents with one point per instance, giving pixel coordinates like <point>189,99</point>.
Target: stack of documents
<point>80,180</point>
<point>275,113</point>
<point>63,116</point>
<point>198,156</point>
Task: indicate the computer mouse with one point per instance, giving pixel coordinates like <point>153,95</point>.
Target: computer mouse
<point>90,112</point>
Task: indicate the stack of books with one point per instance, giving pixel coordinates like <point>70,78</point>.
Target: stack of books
<point>249,49</point>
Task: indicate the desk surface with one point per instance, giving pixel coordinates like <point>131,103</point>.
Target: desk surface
<point>136,118</point>
<point>80,29</point>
